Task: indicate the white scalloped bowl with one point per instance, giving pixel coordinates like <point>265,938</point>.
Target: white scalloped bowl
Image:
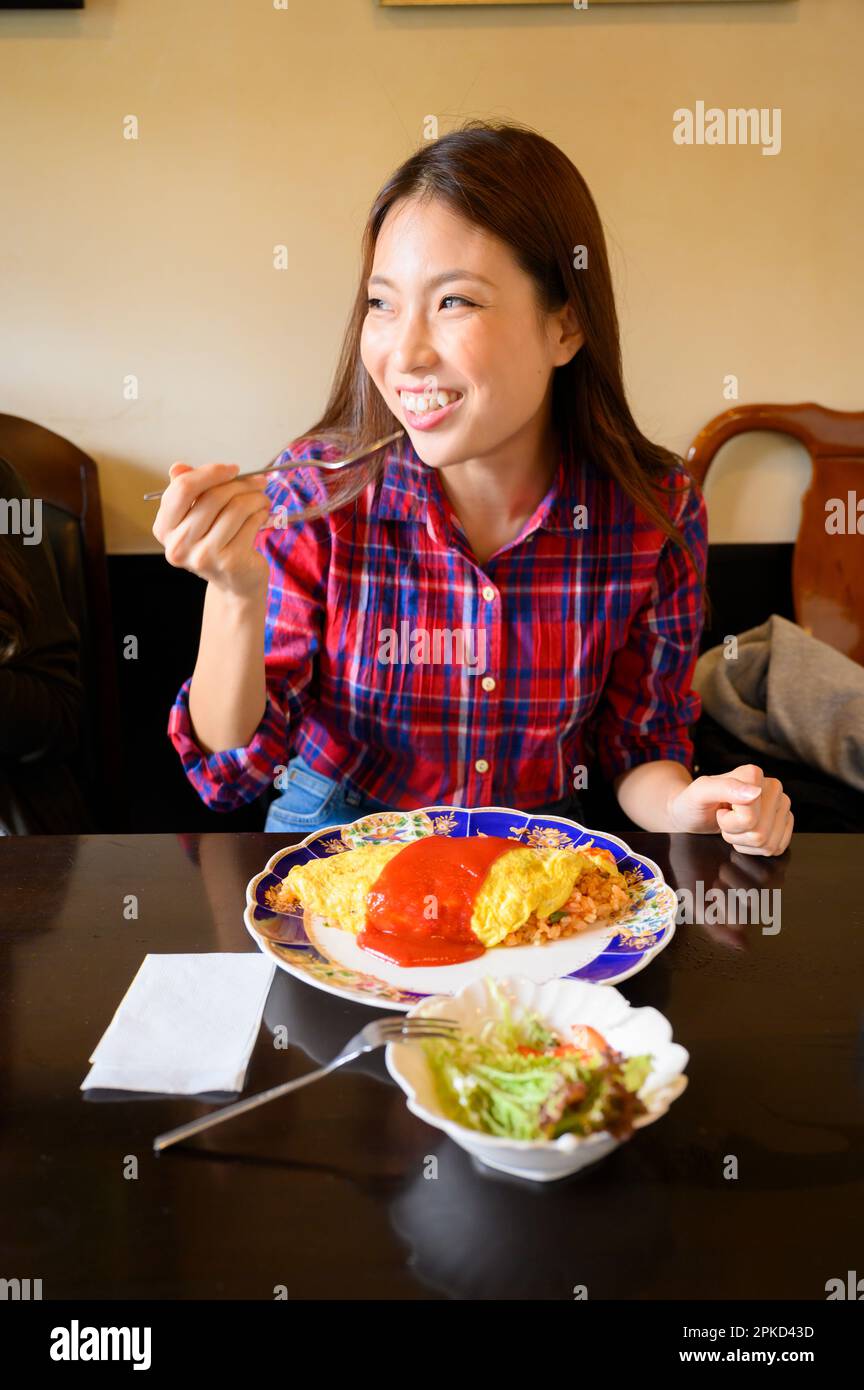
<point>560,1003</point>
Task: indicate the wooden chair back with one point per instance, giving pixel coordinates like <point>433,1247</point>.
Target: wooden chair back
<point>828,567</point>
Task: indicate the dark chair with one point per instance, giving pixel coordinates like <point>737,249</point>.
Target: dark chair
<point>67,481</point>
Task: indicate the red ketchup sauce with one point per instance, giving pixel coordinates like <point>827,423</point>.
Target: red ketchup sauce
<point>433,875</point>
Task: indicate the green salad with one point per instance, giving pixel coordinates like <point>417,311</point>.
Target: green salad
<point>521,1080</point>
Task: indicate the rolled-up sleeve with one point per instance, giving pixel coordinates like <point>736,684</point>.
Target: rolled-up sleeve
<point>234,776</point>
<point>648,705</point>
<point>297,556</point>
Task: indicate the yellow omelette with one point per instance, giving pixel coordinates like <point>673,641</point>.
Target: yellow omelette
<point>520,882</point>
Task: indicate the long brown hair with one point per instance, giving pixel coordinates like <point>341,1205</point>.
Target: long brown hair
<point>514,183</point>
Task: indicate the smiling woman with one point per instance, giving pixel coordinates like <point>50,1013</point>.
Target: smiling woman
<point>519,294</point>
<point>523,507</point>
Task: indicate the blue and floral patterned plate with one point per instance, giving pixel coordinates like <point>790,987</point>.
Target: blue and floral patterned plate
<point>330,959</point>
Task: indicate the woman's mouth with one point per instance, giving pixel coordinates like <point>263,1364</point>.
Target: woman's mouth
<point>425,409</point>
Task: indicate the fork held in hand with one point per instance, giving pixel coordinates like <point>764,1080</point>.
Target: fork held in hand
<point>331,464</point>
<point>383,1030</point>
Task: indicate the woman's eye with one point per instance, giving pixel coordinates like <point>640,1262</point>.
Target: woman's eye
<point>373,303</point>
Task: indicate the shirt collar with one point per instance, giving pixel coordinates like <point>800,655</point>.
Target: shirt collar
<point>408,488</point>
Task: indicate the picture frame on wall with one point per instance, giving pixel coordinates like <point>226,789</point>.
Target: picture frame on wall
<point>414,4</point>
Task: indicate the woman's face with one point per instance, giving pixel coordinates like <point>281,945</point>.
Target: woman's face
<point>451,311</point>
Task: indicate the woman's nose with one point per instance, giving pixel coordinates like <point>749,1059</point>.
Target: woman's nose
<point>413,348</point>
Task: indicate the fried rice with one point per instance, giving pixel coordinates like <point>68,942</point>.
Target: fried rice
<point>597,898</point>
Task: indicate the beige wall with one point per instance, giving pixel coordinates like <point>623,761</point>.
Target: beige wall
<point>153,258</point>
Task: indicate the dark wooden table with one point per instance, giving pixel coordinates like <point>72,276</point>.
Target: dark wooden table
<point>325,1193</point>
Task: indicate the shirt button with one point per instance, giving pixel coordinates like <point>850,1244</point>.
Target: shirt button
<point>488,593</point>
<point>488,682</point>
<point>481,765</point>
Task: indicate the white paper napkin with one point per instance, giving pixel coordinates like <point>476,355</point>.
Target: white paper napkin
<point>186,1024</point>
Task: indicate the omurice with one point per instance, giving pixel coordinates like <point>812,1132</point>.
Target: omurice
<point>438,900</point>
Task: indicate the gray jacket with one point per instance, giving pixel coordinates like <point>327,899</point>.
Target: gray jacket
<point>788,695</point>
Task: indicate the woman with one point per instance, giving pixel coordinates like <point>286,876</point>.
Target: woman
<point>505,605</point>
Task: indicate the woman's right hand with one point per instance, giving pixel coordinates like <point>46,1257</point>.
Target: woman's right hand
<point>207,522</point>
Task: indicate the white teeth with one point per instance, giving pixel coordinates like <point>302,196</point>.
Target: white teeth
<point>419,404</point>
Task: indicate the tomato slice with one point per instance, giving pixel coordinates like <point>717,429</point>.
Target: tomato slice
<point>587,1039</point>
<point>565,1050</point>
<point>587,1042</point>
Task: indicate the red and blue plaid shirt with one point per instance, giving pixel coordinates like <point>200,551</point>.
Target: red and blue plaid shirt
<point>398,665</point>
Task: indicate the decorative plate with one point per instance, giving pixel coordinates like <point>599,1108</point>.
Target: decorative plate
<point>330,959</point>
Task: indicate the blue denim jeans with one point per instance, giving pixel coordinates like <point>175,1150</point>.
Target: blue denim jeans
<point>312,801</point>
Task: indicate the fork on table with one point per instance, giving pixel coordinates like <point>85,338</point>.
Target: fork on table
<point>383,1030</point>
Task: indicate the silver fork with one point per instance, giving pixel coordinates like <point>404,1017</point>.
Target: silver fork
<point>383,1030</point>
<point>331,464</point>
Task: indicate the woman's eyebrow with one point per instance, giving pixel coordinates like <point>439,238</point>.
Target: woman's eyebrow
<point>436,280</point>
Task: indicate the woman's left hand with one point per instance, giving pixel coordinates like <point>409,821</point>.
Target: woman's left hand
<point>751,811</point>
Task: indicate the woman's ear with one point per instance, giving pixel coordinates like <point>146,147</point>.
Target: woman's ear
<point>568,336</point>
